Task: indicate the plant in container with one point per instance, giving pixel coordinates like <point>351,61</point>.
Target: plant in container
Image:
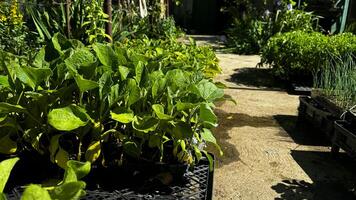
<point>118,106</point>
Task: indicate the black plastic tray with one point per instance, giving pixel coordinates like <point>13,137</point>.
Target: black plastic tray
<point>198,184</point>
<point>344,138</point>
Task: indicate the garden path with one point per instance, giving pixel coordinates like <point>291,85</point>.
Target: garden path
<point>266,155</point>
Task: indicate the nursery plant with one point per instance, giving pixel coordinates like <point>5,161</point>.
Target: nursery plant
<point>70,188</point>
<point>109,104</point>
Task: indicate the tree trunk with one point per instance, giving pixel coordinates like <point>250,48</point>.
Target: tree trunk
<point>108,11</point>
<point>68,4</point>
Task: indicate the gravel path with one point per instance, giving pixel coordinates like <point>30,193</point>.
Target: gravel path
<point>266,155</point>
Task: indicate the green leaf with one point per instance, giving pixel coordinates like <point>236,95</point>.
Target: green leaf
<point>210,159</point>
<point>132,149</point>
<point>177,79</point>
<point>53,146</point>
<point>132,92</point>
<point>8,108</point>
<point>185,106</point>
<point>93,152</point>
<point>7,145</point>
<point>38,75</point>
<point>139,68</point>
<point>68,118</point>
<point>69,191</point>
<point>158,86</point>
<point>81,57</point>
<point>24,77</point>
<point>114,95</point>
<point>124,72</point>
<point>122,117</point>
<point>4,81</point>
<point>105,83</point>
<point>5,170</point>
<point>208,136</point>
<point>2,196</point>
<point>146,124</point>
<point>35,192</point>
<point>159,111</point>
<point>207,116</point>
<point>84,84</point>
<point>182,130</point>
<point>40,58</point>
<point>207,90</point>
<point>106,55</point>
<point>60,43</point>
<point>76,170</point>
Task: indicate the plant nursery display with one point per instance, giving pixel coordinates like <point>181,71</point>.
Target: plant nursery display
<point>140,101</point>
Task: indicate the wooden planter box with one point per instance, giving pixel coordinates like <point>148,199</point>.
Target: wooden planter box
<point>344,138</point>
<point>317,115</point>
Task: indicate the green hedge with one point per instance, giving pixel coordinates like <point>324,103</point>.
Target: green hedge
<point>297,55</point>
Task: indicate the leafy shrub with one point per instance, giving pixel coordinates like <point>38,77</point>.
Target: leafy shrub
<point>300,54</point>
<point>248,34</point>
<point>141,100</point>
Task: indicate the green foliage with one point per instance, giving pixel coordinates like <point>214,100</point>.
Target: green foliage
<point>300,54</point>
<point>15,36</point>
<point>69,189</point>
<point>87,20</point>
<point>73,99</point>
<point>337,80</point>
<point>251,30</point>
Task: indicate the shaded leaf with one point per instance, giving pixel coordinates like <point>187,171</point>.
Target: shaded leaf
<point>146,124</point>
<point>182,130</point>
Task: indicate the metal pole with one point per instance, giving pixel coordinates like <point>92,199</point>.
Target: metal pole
<point>344,16</point>
<point>108,11</point>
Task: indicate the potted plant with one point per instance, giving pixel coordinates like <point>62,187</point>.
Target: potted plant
<point>120,106</point>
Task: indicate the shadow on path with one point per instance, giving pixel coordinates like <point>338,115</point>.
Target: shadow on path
<point>256,77</point>
<point>228,121</point>
<point>302,134</point>
<point>333,178</point>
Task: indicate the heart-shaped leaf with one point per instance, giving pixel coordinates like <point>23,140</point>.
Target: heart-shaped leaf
<point>68,118</point>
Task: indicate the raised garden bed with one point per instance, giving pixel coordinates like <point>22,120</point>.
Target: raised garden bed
<point>317,115</point>
<point>344,138</point>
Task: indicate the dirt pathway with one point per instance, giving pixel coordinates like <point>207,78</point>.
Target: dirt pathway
<point>266,155</point>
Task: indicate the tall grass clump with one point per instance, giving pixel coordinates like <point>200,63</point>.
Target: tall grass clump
<point>337,81</point>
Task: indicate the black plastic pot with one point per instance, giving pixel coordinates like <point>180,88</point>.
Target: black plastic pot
<point>319,117</point>
<point>344,138</point>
